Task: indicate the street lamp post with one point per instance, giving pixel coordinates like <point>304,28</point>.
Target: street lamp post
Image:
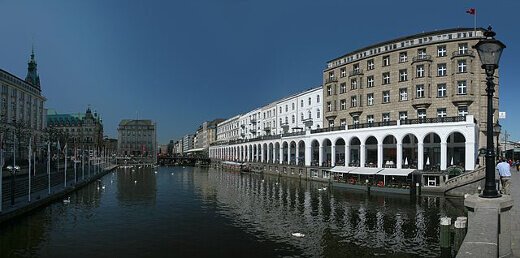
<point>489,50</point>
<point>496,131</point>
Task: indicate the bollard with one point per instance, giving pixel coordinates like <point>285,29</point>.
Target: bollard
<point>417,189</point>
<point>460,232</point>
<point>445,239</point>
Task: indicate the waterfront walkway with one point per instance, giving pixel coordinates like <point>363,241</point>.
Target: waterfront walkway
<point>42,197</point>
<point>515,212</point>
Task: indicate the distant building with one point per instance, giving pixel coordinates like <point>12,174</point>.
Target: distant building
<point>79,130</point>
<point>137,138</point>
<point>110,145</point>
<point>187,142</point>
<point>21,107</point>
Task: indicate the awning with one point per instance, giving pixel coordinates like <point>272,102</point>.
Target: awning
<point>231,163</point>
<point>395,172</point>
<point>342,169</point>
<point>195,150</point>
<point>365,171</point>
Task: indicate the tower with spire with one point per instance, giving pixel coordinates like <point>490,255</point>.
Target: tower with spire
<point>32,72</point>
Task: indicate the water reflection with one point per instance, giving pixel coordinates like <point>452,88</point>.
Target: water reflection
<point>335,222</point>
<point>195,212</point>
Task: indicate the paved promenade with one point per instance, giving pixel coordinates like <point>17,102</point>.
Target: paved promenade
<point>42,197</point>
<point>515,213</point>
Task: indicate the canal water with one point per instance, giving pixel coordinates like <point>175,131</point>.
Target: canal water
<point>200,212</point>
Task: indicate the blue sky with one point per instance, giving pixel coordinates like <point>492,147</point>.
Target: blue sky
<point>183,62</point>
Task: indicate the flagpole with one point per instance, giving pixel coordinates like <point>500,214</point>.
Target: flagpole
<point>49,164</point>
<point>475,23</point>
<point>29,172</point>
<point>65,157</point>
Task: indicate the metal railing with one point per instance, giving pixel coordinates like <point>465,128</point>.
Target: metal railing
<point>293,134</point>
<point>331,80</point>
<point>373,124</point>
<point>460,53</point>
<point>422,58</point>
<point>433,120</point>
<point>355,72</point>
<point>328,129</point>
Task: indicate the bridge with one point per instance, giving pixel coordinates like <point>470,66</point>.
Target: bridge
<point>183,160</point>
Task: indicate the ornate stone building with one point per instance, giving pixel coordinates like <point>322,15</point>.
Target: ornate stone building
<point>79,130</point>
<point>137,138</point>
<point>21,109</point>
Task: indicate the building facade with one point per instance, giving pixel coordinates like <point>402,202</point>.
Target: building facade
<point>228,130</point>
<point>428,75</point>
<point>300,112</point>
<point>137,138</point>
<point>187,142</point>
<point>78,130</point>
<point>21,108</point>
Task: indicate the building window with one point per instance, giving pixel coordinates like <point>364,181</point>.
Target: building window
<point>462,88</point>
<point>310,114</point>
<point>293,119</point>
<point>286,108</point>
<point>462,66</point>
<point>293,106</point>
<point>386,96</point>
<point>386,117</point>
<point>403,57</point>
<point>342,104</point>
<point>329,106</point>
<point>421,113</point>
<point>370,64</point>
<point>386,78</point>
<point>318,99</point>
<point>421,53</point>
<point>343,72</point>
<point>463,110</point>
<point>331,123</point>
<point>370,81</point>
<point>420,71</point>
<point>355,120</point>
<point>441,90</point>
<point>343,87</point>
<point>441,112</point>
<point>370,119</point>
<point>403,75</point>
<point>343,122</point>
<point>353,84</point>
<point>355,67</point>
<point>353,101</point>
<point>419,89</point>
<point>370,99</point>
<point>329,90</point>
<point>403,94</point>
<point>310,101</point>
<point>386,60</point>
<point>301,105</point>
<point>318,113</point>
<point>441,70</point>
<point>463,48</point>
<point>441,51</point>
<point>331,76</point>
<point>403,115</point>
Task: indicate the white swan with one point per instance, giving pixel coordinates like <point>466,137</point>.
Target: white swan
<point>135,182</point>
<point>66,201</point>
<point>298,234</point>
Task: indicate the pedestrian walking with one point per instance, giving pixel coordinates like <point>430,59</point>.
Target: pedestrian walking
<point>504,172</point>
<point>517,165</point>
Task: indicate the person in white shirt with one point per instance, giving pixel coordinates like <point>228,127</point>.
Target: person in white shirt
<point>504,170</point>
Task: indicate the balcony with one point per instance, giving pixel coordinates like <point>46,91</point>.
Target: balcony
<point>461,54</point>
<point>355,72</point>
<point>421,102</point>
<point>252,130</point>
<point>328,129</point>
<point>331,114</point>
<point>307,122</point>
<point>331,80</point>
<point>422,58</point>
<point>243,125</point>
<point>253,120</point>
<point>267,129</point>
<point>462,99</point>
<point>293,134</point>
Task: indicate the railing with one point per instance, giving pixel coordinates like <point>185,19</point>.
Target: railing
<point>331,80</point>
<point>355,72</point>
<point>465,53</point>
<point>253,120</point>
<point>373,124</point>
<point>422,58</point>
<point>329,129</point>
<point>293,134</point>
<point>433,120</point>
